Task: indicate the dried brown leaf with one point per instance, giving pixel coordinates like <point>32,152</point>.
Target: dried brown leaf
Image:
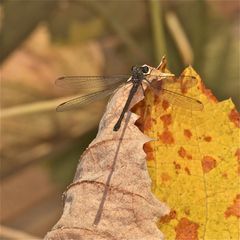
<point>110,197</point>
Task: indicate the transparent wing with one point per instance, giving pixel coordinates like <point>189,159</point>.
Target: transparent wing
<point>175,82</point>
<point>182,100</point>
<point>91,83</point>
<point>179,82</point>
<point>84,100</point>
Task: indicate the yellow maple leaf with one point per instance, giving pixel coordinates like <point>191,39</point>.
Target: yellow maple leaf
<point>194,162</point>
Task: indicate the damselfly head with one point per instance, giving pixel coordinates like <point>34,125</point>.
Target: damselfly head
<point>140,71</point>
<point>145,69</point>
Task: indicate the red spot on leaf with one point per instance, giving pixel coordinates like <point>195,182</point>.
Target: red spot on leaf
<point>224,175</point>
<point>169,217</point>
<point>147,122</point>
<point>149,151</point>
<point>157,99</point>
<point>234,116</point>
<point>187,170</point>
<point>182,152</point>
<point>165,177</point>
<point>237,154</point>
<point>165,104</point>
<point>186,230</point>
<point>166,119</point>
<point>208,163</point>
<point>166,137</point>
<point>177,165</point>
<point>187,133</point>
<point>234,209</point>
<point>207,138</point>
<point>207,92</point>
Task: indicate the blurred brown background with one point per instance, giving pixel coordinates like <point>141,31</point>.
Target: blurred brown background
<point>42,40</point>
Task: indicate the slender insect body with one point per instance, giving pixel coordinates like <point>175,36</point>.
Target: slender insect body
<point>138,75</point>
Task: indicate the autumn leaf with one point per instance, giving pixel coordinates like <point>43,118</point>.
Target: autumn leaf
<point>194,163</point>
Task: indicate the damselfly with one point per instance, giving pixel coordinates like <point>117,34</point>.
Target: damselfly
<point>102,86</point>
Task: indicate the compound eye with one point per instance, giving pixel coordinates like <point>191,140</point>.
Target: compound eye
<point>145,69</point>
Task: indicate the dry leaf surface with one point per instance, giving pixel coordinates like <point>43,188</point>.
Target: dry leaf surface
<point>110,197</point>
